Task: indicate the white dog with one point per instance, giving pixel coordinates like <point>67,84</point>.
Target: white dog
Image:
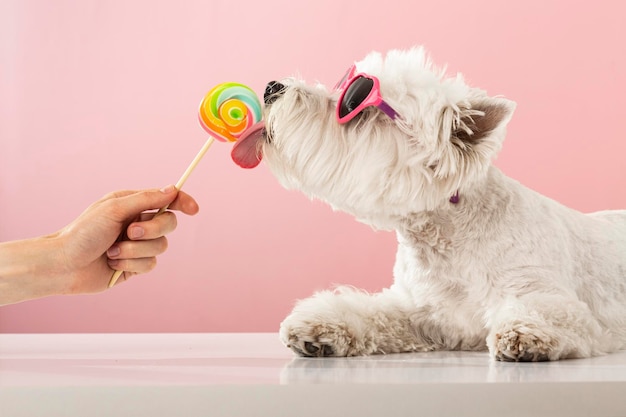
<point>482,261</point>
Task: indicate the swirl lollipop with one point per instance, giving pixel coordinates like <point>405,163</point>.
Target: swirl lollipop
<point>228,112</point>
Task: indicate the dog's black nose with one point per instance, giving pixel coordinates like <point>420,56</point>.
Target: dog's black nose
<point>273,90</point>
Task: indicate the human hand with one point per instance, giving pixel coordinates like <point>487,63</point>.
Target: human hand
<point>116,233</point>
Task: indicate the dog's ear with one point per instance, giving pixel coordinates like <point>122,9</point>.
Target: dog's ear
<point>471,134</point>
<point>476,120</point>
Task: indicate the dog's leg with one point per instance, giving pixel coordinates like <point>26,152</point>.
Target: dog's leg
<point>544,327</point>
<point>348,322</point>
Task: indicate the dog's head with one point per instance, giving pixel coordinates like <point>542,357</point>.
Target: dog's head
<point>430,137</point>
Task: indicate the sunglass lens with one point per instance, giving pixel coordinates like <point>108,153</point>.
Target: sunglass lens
<point>356,94</point>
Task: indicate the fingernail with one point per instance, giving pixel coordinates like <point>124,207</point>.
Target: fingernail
<point>136,232</point>
<point>113,251</point>
<point>168,189</point>
<point>113,263</point>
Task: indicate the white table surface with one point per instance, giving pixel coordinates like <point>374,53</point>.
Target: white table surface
<point>253,374</point>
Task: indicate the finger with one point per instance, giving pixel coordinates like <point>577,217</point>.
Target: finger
<point>154,228</point>
<point>185,203</point>
<point>137,249</point>
<point>137,266</point>
<point>124,205</point>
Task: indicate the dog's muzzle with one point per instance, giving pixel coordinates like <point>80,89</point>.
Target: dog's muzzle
<point>247,151</point>
<point>273,90</point>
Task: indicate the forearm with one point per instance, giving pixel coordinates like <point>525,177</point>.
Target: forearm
<point>29,269</point>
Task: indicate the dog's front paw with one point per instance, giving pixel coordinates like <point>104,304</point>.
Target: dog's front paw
<point>348,322</point>
<point>328,324</point>
<point>519,345</point>
<point>316,339</point>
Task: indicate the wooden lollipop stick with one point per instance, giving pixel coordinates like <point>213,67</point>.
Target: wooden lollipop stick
<point>178,186</point>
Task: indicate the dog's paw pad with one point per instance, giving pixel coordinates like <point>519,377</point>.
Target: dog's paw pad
<point>312,349</point>
<point>318,349</point>
<point>516,346</point>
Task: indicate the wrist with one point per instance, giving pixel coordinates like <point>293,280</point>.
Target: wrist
<point>29,269</point>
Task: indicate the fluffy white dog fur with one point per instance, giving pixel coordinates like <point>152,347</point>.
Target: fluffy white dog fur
<point>505,269</point>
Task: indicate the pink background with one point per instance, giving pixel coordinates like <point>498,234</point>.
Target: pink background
<point>101,95</point>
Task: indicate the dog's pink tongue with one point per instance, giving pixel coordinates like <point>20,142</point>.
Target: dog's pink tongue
<point>247,150</point>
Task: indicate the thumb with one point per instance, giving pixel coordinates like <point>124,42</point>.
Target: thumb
<point>131,205</point>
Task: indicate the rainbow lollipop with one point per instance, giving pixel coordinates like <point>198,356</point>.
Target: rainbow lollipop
<point>228,112</point>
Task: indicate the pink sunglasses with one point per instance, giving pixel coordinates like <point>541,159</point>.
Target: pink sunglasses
<point>359,91</point>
